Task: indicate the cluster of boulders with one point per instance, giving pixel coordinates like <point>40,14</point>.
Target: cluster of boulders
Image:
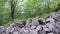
<point>49,24</point>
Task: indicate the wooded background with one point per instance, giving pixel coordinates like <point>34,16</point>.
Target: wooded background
<point>21,9</point>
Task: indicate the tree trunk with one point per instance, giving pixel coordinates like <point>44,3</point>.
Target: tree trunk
<point>13,5</point>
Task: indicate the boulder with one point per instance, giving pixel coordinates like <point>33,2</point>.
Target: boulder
<point>51,21</point>
<point>50,26</point>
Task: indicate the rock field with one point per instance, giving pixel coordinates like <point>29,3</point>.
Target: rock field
<point>49,24</point>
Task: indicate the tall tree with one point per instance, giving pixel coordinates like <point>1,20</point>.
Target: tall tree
<point>13,6</point>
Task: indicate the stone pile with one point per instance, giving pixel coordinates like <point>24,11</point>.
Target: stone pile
<point>46,25</point>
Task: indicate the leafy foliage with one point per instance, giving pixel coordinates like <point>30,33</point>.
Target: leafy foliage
<point>25,9</point>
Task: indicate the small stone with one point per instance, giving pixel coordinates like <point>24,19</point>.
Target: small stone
<point>45,28</point>
<point>33,31</point>
<point>33,27</point>
<point>0,31</point>
<point>35,22</point>
<point>25,30</point>
<point>15,32</point>
<point>50,20</point>
<point>39,28</point>
<point>50,33</point>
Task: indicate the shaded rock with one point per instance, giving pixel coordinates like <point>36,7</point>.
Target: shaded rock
<point>50,20</point>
